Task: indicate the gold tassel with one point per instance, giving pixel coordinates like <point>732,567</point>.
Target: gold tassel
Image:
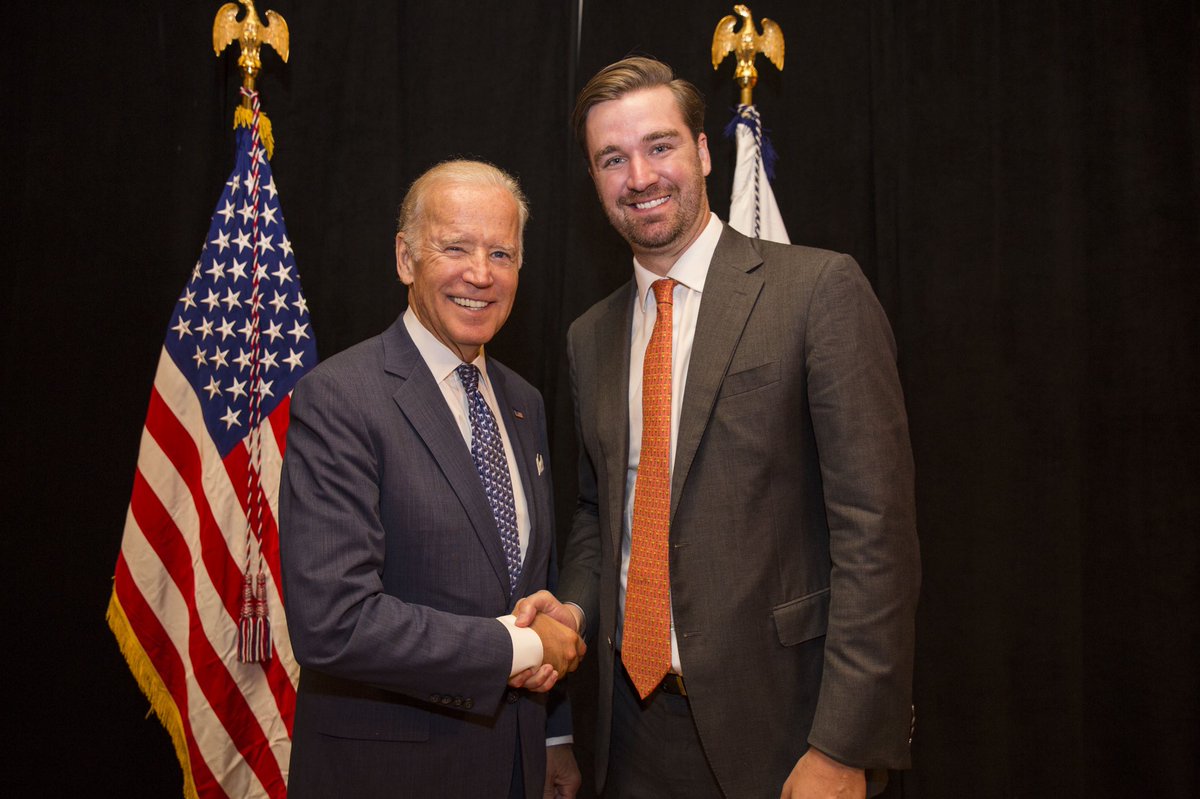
<point>243,117</point>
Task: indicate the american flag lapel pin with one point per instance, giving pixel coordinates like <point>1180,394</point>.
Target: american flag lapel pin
<point>541,466</point>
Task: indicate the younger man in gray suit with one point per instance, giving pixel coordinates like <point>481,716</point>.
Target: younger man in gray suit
<point>744,550</point>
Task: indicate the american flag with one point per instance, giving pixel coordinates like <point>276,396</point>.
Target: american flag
<point>201,520</point>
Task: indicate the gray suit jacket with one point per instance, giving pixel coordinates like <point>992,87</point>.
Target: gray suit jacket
<point>393,575</point>
<point>794,560</point>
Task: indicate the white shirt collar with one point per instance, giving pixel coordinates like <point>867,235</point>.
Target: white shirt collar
<point>692,267</point>
<point>437,356</point>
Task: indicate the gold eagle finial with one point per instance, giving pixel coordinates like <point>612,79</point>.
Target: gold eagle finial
<point>252,34</point>
<point>745,45</point>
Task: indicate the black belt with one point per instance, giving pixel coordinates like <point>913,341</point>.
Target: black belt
<point>673,684</point>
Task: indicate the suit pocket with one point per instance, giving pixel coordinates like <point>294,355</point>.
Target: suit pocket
<point>749,379</point>
<point>802,619</point>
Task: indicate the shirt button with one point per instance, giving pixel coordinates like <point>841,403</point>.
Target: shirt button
<point>511,696</point>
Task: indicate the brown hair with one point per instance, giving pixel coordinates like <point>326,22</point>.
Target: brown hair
<point>629,75</point>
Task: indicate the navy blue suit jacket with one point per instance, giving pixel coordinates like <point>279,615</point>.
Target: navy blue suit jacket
<point>393,575</point>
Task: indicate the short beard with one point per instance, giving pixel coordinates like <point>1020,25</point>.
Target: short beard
<point>647,238</point>
<point>690,205</point>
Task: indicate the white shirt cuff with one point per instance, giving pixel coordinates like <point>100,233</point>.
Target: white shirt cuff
<point>526,644</point>
<point>560,740</point>
<point>582,620</point>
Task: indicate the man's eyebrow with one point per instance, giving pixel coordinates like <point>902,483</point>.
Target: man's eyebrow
<point>612,148</point>
<point>659,135</point>
<point>450,239</point>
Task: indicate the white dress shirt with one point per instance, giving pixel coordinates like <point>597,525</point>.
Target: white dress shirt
<point>690,272</point>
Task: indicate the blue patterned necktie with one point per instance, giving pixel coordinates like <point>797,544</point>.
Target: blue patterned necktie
<point>487,450</point>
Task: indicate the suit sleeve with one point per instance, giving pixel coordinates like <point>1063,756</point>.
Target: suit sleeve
<point>863,714</point>
<point>341,621</point>
<point>580,578</point>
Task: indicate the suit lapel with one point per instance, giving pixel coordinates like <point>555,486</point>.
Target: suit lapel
<point>730,292</point>
<point>422,403</point>
<point>613,331</point>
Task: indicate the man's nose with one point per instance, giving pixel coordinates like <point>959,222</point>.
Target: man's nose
<point>642,173</point>
<point>479,269</point>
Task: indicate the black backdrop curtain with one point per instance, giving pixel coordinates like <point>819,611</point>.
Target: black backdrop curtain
<point>1020,181</point>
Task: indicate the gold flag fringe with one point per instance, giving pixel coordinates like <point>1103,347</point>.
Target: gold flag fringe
<point>153,687</point>
<point>243,117</point>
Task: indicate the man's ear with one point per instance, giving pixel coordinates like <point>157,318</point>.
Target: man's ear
<point>404,260</point>
<point>702,148</point>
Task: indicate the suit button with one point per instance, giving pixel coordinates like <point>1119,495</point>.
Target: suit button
<point>446,700</point>
<point>458,701</point>
<point>435,698</point>
<point>511,696</point>
<point>468,703</point>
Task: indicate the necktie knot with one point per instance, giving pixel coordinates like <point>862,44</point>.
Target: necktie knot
<point>468,374</point>
<point>664,291</point>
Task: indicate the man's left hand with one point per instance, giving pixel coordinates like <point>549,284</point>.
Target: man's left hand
<point>562,773</point>
<point>818,776</point>
<point>538,680</point>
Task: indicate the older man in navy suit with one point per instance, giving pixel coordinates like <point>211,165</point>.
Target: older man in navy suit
<point>415,507</point>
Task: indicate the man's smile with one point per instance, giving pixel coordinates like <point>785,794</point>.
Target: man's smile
<point>646,205</point>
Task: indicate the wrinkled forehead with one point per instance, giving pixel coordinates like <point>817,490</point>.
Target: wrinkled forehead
<point>480,215</point>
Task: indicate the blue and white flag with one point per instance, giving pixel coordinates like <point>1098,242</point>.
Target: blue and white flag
<point>752,208</point>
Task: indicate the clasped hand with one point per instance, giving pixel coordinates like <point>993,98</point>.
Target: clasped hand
<point>557,625</point>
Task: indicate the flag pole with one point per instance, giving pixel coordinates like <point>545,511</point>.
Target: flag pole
<point>745,45</point>
<point>254,627</point>
<point>752,209</point>
<point>251,34</point>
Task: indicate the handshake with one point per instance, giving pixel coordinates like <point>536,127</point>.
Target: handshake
<point>559,627</point>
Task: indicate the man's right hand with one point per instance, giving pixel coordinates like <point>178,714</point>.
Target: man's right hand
<point>562,648</point>
<point>545,602</point>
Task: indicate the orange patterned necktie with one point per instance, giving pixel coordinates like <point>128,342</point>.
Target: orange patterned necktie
<point>646,642</point>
